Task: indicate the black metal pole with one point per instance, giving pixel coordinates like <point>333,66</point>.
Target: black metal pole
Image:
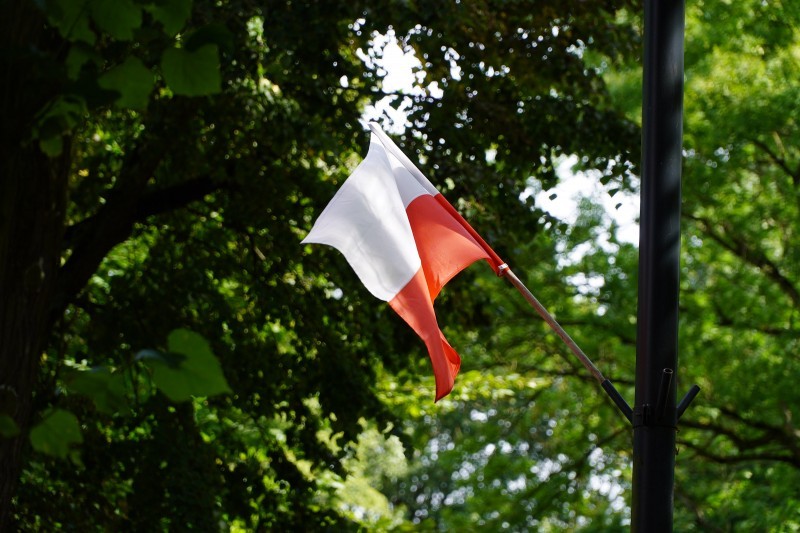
<point>655,414</point>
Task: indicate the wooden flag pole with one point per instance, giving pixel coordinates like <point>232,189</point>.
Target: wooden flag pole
<point>612,392</point>
<point>574,348</point>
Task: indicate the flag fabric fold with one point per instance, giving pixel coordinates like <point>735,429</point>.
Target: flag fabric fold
<point>404,241</point>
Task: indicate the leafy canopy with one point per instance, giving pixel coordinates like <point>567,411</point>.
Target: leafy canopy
<point>203,368</point>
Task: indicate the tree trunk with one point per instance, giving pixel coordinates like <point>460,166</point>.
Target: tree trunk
<point>30,233</point>
<point>32,208</point>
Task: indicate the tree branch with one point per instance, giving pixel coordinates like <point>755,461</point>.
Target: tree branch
<point>91,239</point>
<point>781,162</point>
<point>703,451</point>
<point>726,321</point>
<point>749,254</point>
<point>776,436</point>
<point>699,515</point>
<point>784,433</point>
<point>741,443</point>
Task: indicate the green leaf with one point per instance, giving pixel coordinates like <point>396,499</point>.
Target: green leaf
<point>194,73</point>
<point>80,54</point>
<point>86,90</point>
<point>119,18</point>
<point>52,146</point>
<point>105,388</point>
<point>56,433</point>
<point>71,19</point>
<point>132,80</point>
<point>8,428</point>
<point>214,33</point>
<point>200,374</point>
<point>66,111</point>
<point>172,14</point>
<point>55,119</point>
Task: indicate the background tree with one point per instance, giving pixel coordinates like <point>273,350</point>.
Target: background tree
<point>172,358</point>
<point>741,287</point>
<point>161,161</point>
<point>737,461</point>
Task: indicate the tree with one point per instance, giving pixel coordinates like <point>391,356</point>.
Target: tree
<point>741,289</point>
<point>737,448</point>
<point>161,161</point>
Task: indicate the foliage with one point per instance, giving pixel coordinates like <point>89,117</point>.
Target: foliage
<point>197,141</point>
<point>191,366</point>
<point>737,460</point>
<point>741,288</point>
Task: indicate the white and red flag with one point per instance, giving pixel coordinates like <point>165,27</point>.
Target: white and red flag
<point>404,241</point>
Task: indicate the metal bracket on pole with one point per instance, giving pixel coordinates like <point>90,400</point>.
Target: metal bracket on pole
<point>684,403</point>
<point>645,416</point>
<point>663,392</point>
<point>617,398</point>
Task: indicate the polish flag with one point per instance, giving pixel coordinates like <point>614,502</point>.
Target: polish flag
<point>404,241</point>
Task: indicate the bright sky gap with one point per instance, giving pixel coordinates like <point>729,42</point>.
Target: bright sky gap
<point>403,77</point>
